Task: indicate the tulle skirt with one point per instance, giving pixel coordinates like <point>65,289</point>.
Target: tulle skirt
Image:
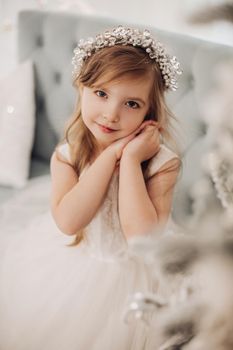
<point>55,297</point>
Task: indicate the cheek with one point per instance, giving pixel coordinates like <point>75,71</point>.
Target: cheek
<point>134,120</point>
<point>86,110</point>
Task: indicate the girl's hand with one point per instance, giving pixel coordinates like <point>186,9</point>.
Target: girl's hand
<point>146,144</point>
<point>117,146</point>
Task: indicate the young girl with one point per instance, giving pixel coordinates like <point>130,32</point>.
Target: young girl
<point>112,179</point>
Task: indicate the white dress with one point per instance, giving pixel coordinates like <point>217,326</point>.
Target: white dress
<point>55,297</point>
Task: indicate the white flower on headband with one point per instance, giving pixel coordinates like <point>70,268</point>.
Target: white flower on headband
<point>169,66</point>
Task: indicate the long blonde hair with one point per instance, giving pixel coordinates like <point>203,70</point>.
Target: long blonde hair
<point>110,64</point>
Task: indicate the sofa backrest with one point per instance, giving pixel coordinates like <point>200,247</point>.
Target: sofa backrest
<point>48,38</point>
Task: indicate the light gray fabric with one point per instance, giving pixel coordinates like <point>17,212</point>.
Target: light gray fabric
<point>38,168</point>
<point>48,38</point>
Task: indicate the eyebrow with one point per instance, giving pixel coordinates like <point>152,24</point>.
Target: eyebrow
<point>128,98</point>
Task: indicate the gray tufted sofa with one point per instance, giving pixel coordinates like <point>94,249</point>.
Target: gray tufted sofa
<point>48,38</point>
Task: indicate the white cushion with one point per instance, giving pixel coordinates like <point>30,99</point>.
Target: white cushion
<point>17,123</point>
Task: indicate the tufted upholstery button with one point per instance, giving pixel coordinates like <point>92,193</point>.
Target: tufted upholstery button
<point>40,104</point>
<point>189,204</point>
<point>57,77</point>
<point>191,81</point>
<point>39,41</point>
<point>203,128</point>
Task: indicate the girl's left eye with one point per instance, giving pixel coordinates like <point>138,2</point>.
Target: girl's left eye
<point>133,104</point>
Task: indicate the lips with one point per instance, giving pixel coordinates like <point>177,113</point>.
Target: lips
<point>105,128</point>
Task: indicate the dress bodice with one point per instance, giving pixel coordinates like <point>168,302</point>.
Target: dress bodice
<point>104,235</point>
<point>104,238</point>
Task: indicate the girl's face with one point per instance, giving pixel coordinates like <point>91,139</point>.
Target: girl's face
<point>114,110</point>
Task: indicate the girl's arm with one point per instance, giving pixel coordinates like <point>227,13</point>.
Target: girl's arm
<point>143,207</point>
<point>75,201</point>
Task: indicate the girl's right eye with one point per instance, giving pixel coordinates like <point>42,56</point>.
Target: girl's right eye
<point>100,93</point>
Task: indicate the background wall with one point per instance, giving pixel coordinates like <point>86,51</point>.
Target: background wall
<point>166,14</point>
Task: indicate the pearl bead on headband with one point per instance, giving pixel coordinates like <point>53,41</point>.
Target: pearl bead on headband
<point>169,66</point>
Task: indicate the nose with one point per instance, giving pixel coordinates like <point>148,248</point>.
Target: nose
<point>111,115</point>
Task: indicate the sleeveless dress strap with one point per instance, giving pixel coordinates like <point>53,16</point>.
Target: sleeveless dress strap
<point>64,151</point>
<point>162,157</point>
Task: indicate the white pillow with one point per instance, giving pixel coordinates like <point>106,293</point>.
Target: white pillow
<point>17,123</point>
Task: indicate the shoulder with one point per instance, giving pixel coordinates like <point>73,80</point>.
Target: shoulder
<point>60,161</point>
<point>63,175</point>
<point>164,160</point>
<point>162,177</point>
<point>63,152</point>
<point>163,171</point>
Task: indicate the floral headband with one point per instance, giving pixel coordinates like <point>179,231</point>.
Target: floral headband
<point>169,66</point>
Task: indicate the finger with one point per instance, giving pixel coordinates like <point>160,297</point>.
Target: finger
<point>138,130</point>
<point>148,122</point>
<point>150,128</point>
<point>152,122</point>
<point>142,126</point>
<point>129,137</point>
